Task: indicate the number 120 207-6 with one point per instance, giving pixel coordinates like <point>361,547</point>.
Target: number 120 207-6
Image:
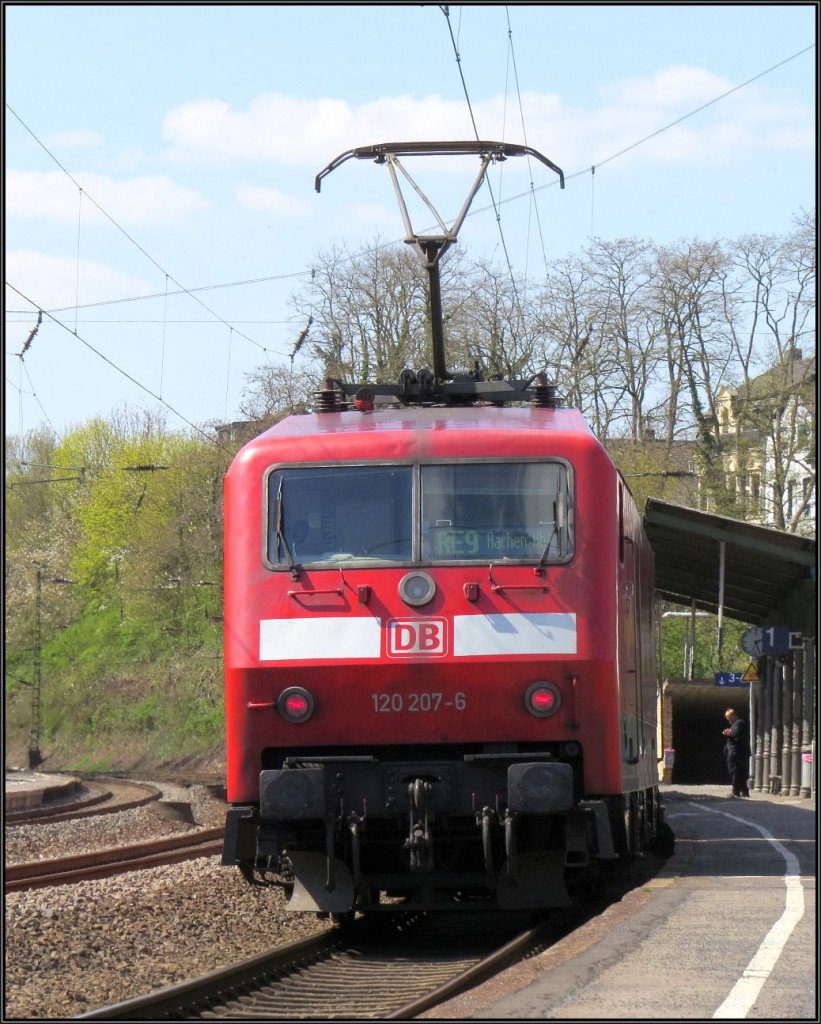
<point>384,703</point>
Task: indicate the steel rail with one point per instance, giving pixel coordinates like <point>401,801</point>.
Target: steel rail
<point>116,860</point>
<point>188,993</point>
<point>370,969</point>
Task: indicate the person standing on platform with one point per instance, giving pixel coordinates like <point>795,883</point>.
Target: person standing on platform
<point>737,752</point>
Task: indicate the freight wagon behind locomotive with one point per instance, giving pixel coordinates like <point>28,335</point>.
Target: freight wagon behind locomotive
<point>440,674</point>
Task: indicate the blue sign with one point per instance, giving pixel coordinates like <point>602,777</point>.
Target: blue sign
<point>729,679</point>
<point>775,640</point>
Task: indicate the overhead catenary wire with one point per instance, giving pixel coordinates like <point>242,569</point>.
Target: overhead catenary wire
<point>658,131</point>
<point>34,395</point>
<point>445,9</point>
<point>164,329</point>
<point>183,291</point>
<point>77,259</point>
<point>590,169</point>
<point>173,320</point>
<point>475,212</point>
<point>123,231</point>
<point>534,203</point>
<point>703,106</point>
<point>119,370</point>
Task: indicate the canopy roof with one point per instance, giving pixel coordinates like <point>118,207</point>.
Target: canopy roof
<point>769,575</point>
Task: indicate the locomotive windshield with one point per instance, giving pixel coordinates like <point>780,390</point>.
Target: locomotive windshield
<point>467,512</point>
<point>490,511</point>
<point>338,513</point>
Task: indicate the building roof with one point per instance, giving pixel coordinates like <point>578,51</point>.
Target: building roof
<point>793,378</point>
<point>769,575</point>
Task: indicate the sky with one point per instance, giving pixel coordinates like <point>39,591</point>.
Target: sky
<point>160,164</point>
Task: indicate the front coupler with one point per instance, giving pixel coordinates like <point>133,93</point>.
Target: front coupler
<point>312,822</point>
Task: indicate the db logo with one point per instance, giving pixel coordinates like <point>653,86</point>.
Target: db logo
<point>417,637</point>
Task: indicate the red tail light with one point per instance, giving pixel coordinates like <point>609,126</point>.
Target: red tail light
<point>295,704</point>
<point>543,699</point>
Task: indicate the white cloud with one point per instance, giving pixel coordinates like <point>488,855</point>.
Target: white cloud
<point>800,139</point>
<point>79,138</point>
<point>269,200</point>
<point>153,199</point>
<point>288,131</point>
<point>737,126</point>
<point>56,282</point>
<point>294,131</point>
<point>669,87</point>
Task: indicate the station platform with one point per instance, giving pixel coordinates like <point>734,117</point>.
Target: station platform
<point>28,790</point>
<point>727,929</point>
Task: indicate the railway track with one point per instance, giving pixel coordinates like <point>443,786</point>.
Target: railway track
<point>386,967</point>
<point>104,863</point>
<point>382,966</point>
<point>113,798</point>
<point>175,776</point>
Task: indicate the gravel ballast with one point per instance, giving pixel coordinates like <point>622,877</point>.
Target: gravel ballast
<point>74,948</point>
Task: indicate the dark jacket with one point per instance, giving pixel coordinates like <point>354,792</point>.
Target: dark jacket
<point>737,744</point>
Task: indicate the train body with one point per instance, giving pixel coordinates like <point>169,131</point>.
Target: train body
<point>439,657</point>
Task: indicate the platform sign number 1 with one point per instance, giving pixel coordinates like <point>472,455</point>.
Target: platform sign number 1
<point>762,640</point>
<point>775,640</point>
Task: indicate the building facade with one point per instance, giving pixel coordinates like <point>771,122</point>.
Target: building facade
<point>766,433</point>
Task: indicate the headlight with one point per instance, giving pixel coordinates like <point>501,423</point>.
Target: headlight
<point>417,588</point>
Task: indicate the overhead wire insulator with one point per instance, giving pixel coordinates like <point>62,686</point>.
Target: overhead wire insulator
<point>34,331</point>
<point>303,335</point>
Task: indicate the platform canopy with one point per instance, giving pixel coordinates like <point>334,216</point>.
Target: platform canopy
<point>769,576</point>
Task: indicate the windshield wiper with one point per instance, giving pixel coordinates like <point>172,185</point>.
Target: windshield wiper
<point>281,542</point>
<point>540,568</point>
<point>558,524</point>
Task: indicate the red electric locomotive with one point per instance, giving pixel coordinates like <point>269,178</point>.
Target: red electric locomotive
<point>439,641</point>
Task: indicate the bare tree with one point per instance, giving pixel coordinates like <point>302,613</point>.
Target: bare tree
<point>272,392</point>
<point>646,341</point>
<point>778,405</point>
<point>622,271</point>
<point>487,322</point>
<point>778,277</point>
<point>574,352</point>
<point>368,313</point>
<point>692,300</point>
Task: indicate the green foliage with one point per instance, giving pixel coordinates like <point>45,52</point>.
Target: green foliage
<point>676,641</point>
<point>114,532</point>
<point>113,579</point>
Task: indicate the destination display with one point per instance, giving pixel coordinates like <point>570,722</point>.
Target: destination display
<point>453,542</point>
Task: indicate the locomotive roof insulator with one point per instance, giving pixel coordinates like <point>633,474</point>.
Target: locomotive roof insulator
<point>330,398</point>
<point>544,394</point>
